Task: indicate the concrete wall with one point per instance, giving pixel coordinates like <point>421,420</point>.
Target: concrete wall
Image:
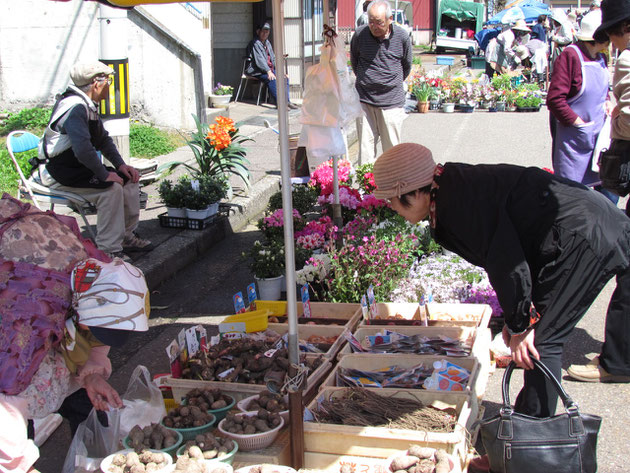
<point>40,40</point>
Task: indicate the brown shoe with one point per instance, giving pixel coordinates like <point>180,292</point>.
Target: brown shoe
<point>592,372</point>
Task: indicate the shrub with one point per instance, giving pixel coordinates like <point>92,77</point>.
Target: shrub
<point>304,199</point>
<point>146,141</point>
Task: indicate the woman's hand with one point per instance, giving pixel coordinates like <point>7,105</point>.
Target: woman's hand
<point>101,394</point>
<point>521,346</point>
<point>609,108</point>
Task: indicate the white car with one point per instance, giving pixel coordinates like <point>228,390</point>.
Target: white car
<point>401,20</point>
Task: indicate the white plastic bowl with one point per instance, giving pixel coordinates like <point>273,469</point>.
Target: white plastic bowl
<point>250,442</point>
<point>107,461</point>
<point>272,468</point>
<point>243,406</point>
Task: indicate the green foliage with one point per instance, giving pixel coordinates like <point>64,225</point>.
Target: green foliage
<point>529,100</point>
<point>146,141</point>
<point>9,177</point>
<point>183,194</point>
<point>417,60</point>
<point>304,199</point>
<point>502,82</point>
<point>32,119</point>
<point>266,260</point>
<point>421,90</point>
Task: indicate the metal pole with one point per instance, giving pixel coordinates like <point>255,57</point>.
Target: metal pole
<point>295,398</point>
<point>113,47</point>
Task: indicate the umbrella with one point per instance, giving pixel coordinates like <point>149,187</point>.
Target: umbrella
<point>527,10</point>
<point>295,395</point>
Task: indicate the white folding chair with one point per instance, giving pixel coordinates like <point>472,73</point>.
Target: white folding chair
<point>20,141</point>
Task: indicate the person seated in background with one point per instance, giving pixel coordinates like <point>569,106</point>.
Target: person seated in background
<point>262,62</point>
<point>70,148</point>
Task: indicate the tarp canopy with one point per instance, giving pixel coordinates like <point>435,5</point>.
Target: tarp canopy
<point>461,11</point>
<point>528,10</point>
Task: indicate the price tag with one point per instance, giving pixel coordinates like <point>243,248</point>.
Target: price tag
<point>251,296</point>
<point>364,307</point>
<point>372,302</point>
<point>270,353</point>
<point>181,341</point>
<point>306,302</point>
<point>223,374</point>
<point>239,304</point>
<point>191,341</point>
<point>195,185</point>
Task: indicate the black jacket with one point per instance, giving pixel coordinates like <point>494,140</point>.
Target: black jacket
<point>515,222</point>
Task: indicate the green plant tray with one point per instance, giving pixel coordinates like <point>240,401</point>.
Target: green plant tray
<point>185,223</point>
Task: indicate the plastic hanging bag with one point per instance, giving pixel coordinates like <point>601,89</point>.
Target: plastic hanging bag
<point>322,142</point>
<point>143,401</point>
<point>92,442</point>
<point>349,103</point>
<point>321,93</point>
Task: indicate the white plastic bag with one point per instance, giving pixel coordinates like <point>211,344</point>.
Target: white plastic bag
<point>92,442</point>
<point>349,103</point>
<point>321,142</point>
<point>144,404</point>
<point>320,105</point>
<point>603,142</point>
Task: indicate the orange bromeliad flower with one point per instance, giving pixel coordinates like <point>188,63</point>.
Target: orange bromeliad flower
<point>226,123</point>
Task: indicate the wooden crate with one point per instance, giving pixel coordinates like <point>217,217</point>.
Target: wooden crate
<point>474,384</point>
<point>278,453</point>
<point>347,315</point>
<point>306,331</point>
<point>410,313</point>
<point>481,338</point>
<point>382,441</point>
<point>332,463</point>
<point>239,391</point>
<point>467,315</point>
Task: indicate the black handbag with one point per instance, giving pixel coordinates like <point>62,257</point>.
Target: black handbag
<point>518,443</point>
<point>614,167</point>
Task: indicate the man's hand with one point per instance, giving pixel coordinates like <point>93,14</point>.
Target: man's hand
<point>131,172</point>
<point>101,393</point>
<point>271,75</point>
<point>113,177</point>
<point>521,346</point>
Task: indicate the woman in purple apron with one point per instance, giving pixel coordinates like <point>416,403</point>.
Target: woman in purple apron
<point>577,100</point>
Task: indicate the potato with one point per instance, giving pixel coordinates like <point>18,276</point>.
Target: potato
<point>442,465</point>
<point>403,462</point>
<point>195,452</point>
<point>132,459</point>
<point>420,452</point>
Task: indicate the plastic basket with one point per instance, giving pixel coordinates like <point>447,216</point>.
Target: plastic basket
<point>170,450</point>
<point>274,307</point>
<point>255,321</point>
<point>243,406</point>
<point>184,222</point>
<point>107,461</point>
<point>189,433</point>
<point>247,443</point>
<point>228,459</point>
<point>275,468</point>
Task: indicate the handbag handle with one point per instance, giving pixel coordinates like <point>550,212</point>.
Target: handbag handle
<point>569,403</point>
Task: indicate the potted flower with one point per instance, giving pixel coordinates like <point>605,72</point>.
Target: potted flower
<point>421,91</point>
<point>221,95</point>
<point>218,150</point>
<point>528,101</point>
<point>173,197</point>
<point>267,264</point>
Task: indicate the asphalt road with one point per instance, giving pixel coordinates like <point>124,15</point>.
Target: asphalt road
<point>481,137</point>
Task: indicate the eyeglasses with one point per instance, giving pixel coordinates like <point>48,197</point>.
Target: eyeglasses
<point>374,22</point>
<point>103,79</point>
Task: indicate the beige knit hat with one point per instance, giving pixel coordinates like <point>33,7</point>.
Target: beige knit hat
<point>401,169</point>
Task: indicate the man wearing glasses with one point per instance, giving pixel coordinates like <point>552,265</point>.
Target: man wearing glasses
<point>381,57</point>
<point>70,146</point>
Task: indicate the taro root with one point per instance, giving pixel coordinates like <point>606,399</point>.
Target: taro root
<point>210,446</point>
<point>247,424</point>
<point>154,436</point>
<point>403,462</point>
<point>420,452</point>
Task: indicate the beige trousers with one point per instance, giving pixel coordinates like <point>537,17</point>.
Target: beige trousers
<point>377,124</point>
<point>117,212</point>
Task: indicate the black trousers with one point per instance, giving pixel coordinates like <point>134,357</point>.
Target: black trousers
<point>562,293</point>
<point>75,409</point>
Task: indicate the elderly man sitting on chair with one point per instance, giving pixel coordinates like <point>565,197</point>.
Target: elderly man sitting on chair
<point>70,148</point>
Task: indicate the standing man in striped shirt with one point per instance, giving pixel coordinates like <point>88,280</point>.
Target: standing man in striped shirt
<point>381,57</point>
